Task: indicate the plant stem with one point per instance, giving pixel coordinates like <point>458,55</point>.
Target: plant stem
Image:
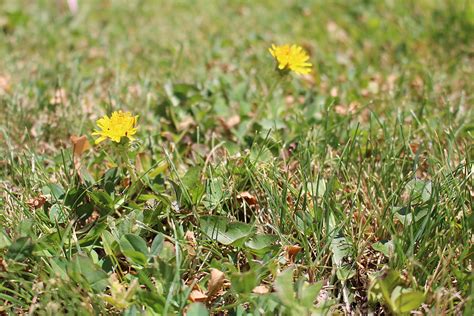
<point>126,163</point>
<point>263,106</point>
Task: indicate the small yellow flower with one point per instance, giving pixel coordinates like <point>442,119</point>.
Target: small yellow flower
<point>120,124</point>
<point>292,57</point>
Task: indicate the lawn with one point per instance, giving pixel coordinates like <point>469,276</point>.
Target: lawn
<point>240,189</point>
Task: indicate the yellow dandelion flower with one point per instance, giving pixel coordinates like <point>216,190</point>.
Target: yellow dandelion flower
<point>120,124</point>
<point>292,57</point>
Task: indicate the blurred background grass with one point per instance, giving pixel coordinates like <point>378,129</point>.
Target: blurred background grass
<point>110,48</point>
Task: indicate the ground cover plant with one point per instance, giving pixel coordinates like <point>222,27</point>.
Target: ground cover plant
<point>175,157</point>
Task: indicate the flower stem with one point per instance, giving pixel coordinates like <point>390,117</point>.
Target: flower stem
<point>125,161</point>
<point>263,106</point>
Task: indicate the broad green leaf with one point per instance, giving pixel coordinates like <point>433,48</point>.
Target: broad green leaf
<point>81,268</point>
<point>308,293</point>
<point>214,193</point>
<point>133,242</point>
<point>93,234</point>
<point>134,248</point>
<point>385,247</point>
<point>86,176</point>
<point>408,300</point>
<point>261,243</point>
<point>74,197</point>
<point>48,245</point>
<point>4,240</point>
<point>157,244</point>
<point>103,201</point>
<point>418,190</point>
<point>244,282</point>
<point>284,287</point>
<point>110,179</point>
<point>340,248</point>
<point>317,188</point>
<point>382,286</point>
<point>56,214</point>
<point>390,280</point>
<point>262,154</point>
<point>197,309</point>
<point>54,190</point>
<point>408,216</point>
<point>272,124</point>
<point>20,249</point>
<point>84,210</point>
<point>232,148</point>
<point>193,184</point>
<point>107,241</point>
<point>59,267</point>
<point>345,273</point>
<point>135,257</point>
<point>25,227</point>
<point>161,167</point>
<point>220,229</point>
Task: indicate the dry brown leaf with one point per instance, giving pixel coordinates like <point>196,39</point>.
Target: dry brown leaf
<point>290,100</point>
<point>292,251</point>
<point>79,144</point>
<point>307,12</point>
<point>414,147</point>
<point>36,202</point>
<point>3,265</point>
<point>417,83</point>
<point>126,182</point>
<point>231,122</point>
<point>94,216</point>
<point>391,81</point>
<point>344,110</point>
<point>373,86</point>
<point>87,104</point>
<point>96,52</point>
<point>186,123</point>
<point>4,84</point>
<point>190,238</point>
<point>249,198</point>
<point>336,32</point>
<point>225,67</point>
<point>191,243</point>
<point>309,79</point>
<point>216,282</point>
<point>169,246</point>
<point>138,161</point>
<point>167,135</point>
<point>59,97</point>
<point>261,289</point>
<point>197,296</point>
<point>323,296</point>
<point>292,147</point>
<point>340,109</point>
<point>191,251</point>
<point>135,90</point>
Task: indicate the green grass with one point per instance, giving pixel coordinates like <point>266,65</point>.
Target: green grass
<point>366,165</point>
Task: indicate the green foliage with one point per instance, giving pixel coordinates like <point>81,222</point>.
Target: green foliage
<point>300,302</point>
<point>400,300</point>
<point>219,229</point>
